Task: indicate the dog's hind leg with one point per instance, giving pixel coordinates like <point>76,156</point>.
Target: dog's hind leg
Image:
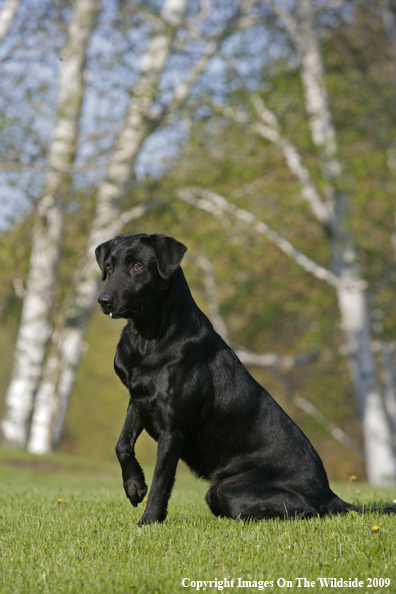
<point>246,496</point>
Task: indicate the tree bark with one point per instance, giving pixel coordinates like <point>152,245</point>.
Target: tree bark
<point>35,327</point>
<point>53,395</point>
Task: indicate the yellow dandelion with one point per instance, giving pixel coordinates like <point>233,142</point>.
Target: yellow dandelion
<point>59,500</point>
<point>375,528</point>
<point>144,500</point>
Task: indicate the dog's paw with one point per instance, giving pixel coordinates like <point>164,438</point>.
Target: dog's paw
<point>150,518</point>
<point>145,521</point>
<point>135,491</point>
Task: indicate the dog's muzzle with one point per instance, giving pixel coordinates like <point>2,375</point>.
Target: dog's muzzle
<point>106,301</point>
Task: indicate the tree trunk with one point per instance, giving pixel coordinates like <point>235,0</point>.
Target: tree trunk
<point>60,370</point>
<point>387,357</point>
<point>54,394</point>
<point>352,302</point>
<point>35,327</point>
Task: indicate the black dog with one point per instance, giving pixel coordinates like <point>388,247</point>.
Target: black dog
<point>191,393</point>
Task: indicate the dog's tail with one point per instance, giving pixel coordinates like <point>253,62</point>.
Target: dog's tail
<point>338,506</point>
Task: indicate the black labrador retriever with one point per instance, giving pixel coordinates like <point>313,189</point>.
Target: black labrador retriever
<point>191,393</point>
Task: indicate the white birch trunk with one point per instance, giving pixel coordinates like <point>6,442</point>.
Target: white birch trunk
<point>59,374</point>
<point>380,457</point>
<point>313,80</point>
<point>54,394</point>
<point>7,15</point>
<point>380,460</point>
<point>389,381</point>
<point>35,327</point>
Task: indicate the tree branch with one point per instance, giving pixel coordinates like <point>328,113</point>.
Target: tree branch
<point>218,206</point>
<point>288,20</point>
<point>212,46</point>
<point>201,16</point>
<point>268,127</point>
<point>311,410</point>
<point>273,360</point>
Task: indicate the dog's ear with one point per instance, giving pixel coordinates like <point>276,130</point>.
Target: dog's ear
<point>101,253</point>
<point>169,253</point>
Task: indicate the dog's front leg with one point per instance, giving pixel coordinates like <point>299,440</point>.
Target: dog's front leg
<point>132,474</point>
<point>170,445</point>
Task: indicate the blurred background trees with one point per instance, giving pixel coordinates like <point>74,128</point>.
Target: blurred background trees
<point>261,134</point>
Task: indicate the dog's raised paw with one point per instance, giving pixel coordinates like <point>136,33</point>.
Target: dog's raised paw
<point>135,491</point>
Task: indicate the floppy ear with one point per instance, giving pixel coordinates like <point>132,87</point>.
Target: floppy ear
<point>169,253</point>
<point>101,253</point>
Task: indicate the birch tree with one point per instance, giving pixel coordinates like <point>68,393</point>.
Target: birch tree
<point>35,326</point>
<point>142,118</point>
<point>351,291</point>
<point>332,210</point>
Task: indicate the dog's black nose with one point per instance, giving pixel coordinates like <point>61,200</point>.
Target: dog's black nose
<point>105,300</point>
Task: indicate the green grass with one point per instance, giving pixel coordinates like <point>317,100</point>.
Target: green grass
<point>89,542</point>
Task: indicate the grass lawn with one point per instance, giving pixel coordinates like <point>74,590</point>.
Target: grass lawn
<point>66,526</point>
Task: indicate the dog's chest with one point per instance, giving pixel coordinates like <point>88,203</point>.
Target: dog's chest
<point>148,385</point>
<point>135,374</point>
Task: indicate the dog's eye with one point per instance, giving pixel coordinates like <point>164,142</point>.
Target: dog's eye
<point>136,266</point>
<point>110,267</point>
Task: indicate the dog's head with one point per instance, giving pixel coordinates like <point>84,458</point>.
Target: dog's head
<point>139,268</point>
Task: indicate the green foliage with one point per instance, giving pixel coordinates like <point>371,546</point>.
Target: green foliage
<point>89,540</point>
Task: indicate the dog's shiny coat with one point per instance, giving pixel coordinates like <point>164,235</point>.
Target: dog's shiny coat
<point>191,393</point>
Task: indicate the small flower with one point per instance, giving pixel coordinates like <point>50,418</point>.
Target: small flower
<point>375,528</point>
<point>59,500</point>
<point>144,500</point>
<point>352,477</point>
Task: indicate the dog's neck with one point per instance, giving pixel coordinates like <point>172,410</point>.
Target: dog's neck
<point>147,326</point>
<point>166,312</point>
